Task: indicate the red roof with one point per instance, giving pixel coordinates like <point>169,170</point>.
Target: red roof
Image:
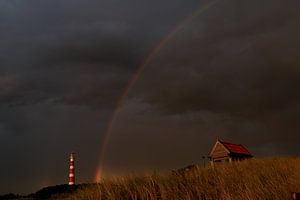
<point>236,148</point>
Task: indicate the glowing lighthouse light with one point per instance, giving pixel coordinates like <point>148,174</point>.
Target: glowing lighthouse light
<point>72,170</point>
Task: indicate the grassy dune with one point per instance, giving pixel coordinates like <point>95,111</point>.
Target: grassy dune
<point>272,178</point>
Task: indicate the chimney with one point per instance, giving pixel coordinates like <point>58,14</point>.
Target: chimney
<point>72,170</point>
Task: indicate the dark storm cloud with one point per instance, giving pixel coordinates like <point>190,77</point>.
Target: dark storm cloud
<point>231,73</point>
<point>52,42</point>
<point>241,65</point>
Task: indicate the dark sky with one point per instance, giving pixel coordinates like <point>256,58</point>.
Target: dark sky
<point>231,72</point>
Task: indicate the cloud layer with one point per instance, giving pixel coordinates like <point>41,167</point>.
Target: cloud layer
<point>231,73</point>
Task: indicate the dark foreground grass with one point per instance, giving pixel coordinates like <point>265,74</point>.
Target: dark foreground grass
<point>272,178</point>
<point>268,179</point>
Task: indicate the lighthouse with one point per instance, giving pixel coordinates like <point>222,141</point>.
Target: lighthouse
<point>72,170</point>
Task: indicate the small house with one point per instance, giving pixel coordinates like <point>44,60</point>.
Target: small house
<point>228,152</point>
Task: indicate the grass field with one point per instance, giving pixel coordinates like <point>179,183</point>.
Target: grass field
<point>271,178</point>
<point>268,179</point>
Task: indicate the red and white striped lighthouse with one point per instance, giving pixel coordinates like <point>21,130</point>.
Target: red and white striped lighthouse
<point>72,170</point>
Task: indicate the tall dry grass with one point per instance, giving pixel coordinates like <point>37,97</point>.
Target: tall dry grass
<point>268,179</point>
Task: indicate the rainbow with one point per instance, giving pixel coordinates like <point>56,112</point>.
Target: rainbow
<point>136,76</point>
